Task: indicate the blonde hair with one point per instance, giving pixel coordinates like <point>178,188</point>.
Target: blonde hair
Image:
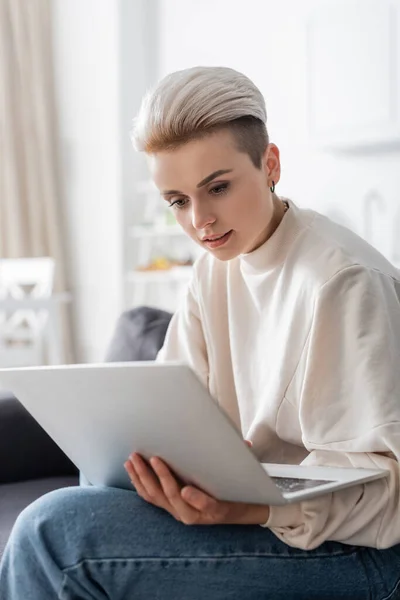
<point>195,102</point>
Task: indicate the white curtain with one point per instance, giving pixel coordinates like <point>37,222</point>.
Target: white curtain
<point>30,195</point>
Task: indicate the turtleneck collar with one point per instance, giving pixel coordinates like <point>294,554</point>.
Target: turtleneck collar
<point>274,250</point>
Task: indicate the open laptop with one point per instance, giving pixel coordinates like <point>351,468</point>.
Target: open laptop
<point>99,414</point>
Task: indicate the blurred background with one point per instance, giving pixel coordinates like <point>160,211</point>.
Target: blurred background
<point>83,235</point>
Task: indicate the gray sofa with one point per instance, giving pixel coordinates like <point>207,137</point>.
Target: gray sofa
<point>31,464</point>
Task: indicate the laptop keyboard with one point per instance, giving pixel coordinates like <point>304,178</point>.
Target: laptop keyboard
<point>292,484</point>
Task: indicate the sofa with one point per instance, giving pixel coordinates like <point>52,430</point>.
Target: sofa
<point>31,464</point>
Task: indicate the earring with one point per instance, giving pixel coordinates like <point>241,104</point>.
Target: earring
<point>272,188</point>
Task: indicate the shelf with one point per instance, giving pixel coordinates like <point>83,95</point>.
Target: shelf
<point>174,275</point>
<point>143,231</point>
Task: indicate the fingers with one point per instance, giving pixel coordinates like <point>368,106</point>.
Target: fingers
<point>249,443</point>
<point>147,479</point>
<point>157,484</point>
<point>149,486</point>
<point>187,513</point>
<point>211,510</point>
<point>134,477</point>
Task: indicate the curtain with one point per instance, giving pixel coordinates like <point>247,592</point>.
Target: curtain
<point>30,194</point>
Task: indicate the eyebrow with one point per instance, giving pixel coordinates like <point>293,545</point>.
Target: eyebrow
<point>203,182</point>
<point>213,176</point>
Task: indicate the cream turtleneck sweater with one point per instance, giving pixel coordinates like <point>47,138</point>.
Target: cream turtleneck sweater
<point>299,342</point>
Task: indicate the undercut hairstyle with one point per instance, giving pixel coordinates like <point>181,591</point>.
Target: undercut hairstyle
<point>193,103</point>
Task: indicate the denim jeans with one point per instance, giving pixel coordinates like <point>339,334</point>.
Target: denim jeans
<point>104,543</point>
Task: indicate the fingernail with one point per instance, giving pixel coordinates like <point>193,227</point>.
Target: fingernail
<point>190,494</point>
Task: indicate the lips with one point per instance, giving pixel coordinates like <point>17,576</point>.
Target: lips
<point>214,238</point>
<point>216,241</point>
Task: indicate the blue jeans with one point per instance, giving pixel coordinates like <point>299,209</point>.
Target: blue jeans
<point>99,543</point>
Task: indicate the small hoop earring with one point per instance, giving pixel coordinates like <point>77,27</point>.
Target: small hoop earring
<point>272,188</point>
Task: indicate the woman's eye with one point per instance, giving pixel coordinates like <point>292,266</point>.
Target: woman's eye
<point>219,189</point>
<point>179,203</point>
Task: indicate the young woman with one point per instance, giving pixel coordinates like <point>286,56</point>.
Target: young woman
<point>293,323</point>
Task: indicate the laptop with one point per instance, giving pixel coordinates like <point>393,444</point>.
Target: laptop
<point>100,413</point>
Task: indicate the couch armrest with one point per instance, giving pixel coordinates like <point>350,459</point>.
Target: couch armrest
<point>26,451</point>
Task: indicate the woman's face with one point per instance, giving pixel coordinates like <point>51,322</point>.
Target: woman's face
<point>221,200</point>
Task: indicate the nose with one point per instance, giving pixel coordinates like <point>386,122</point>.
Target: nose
<point>202,216</point>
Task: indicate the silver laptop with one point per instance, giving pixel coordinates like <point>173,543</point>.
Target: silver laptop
<point>99,414</point>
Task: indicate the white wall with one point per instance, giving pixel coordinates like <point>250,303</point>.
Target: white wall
<point>86,65</point>
<point>102,70</point>
<point>267,40</point>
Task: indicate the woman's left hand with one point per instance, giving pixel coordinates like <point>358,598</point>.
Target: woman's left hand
<point>156,484</point>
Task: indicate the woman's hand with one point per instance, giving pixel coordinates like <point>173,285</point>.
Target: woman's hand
<point>156,484</point>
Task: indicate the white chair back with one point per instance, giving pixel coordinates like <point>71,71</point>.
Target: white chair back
<point>22,323</point>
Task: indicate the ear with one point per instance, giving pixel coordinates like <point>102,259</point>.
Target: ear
<point>272,164</point>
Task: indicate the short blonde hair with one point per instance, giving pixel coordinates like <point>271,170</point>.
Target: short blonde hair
<point>195,102</point>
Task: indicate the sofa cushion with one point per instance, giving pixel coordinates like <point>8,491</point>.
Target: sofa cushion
<point>14,497</point>
<point>138,335</point>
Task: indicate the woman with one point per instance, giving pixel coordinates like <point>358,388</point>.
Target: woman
<point>293,323</point>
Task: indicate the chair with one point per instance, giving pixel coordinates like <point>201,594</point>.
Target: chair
<point>26,287</point>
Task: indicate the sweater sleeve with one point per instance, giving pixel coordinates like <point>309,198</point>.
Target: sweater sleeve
<point>348,396</point>
<point>185,339</point>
